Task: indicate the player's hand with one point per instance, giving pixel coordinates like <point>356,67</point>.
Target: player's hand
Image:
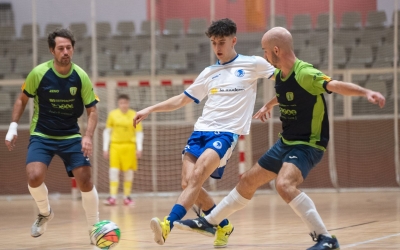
<point>140,116</point>
<point>138,154</point>
<point>11,136</point>
<point>376,98</point>
<point>106,155</point>
<point>87,147</point>
<point>263,114</point>
<point>11,144</point>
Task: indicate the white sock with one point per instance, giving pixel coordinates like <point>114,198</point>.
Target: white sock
<point>90,202</point>
<point>304,207</point>
<point>230,204</point>
<point>40,195</point>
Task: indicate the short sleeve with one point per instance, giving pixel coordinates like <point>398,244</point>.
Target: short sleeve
<point>31,83</point>
<point>264,68</point>
<point>313,80</point>
<point>88,96</point>
<point>110,120</point>
<point>198,90</point>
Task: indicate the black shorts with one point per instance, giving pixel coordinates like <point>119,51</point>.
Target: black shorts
<point>304,157</point>
<point>70,151</point>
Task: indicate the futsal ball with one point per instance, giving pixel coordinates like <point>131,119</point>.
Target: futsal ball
<point>105,234</point>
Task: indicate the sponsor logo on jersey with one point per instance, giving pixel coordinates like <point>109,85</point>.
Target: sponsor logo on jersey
<point>213,90</point>
<point>288,111</point>
<point>239,73</point>
<point>72,90</point>
<point>54,91</point>
<point>217,144</point>
<point>216,90</point>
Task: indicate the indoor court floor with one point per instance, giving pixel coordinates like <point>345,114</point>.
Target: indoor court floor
<point>360,220</point>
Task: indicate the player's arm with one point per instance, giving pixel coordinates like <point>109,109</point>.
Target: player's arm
<point>19,107</point>
<point>266,109</point>
<point>89,100</point>
<point>171,104</point>
<point>29,89</point>
<point>139,140</point>
<point>87,146</point>
<point>351,89</point>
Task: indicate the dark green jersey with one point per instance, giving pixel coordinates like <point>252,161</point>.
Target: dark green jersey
<point>59,100</point>
<point>302,105</point>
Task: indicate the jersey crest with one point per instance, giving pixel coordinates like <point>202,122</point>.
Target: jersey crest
<point>72,90</point>
<point>289,96</point>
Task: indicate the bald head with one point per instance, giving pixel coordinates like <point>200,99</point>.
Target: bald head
<point>279,37</point>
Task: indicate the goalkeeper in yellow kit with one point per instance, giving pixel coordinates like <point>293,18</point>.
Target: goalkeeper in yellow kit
<point>125,148</point>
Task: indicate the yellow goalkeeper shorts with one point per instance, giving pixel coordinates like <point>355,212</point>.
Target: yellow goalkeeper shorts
<point>123,156</point>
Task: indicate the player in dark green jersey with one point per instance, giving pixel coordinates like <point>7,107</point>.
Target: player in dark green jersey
<point>61,90</point>
<point>303,140</point>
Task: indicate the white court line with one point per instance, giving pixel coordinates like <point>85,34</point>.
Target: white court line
<point>368,241</point>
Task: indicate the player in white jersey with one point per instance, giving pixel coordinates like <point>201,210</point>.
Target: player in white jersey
<point>231,86</point>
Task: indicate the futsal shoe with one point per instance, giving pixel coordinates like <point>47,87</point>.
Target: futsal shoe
<point>324,243</point>
<point>199,225</point>
<point>223,233</point>
<point>39,226</point>
<point>90,237</point>
<point>129,202</point>
<point>161,229</point>
<point>110,201</point>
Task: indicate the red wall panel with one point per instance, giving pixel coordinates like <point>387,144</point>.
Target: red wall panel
<point>235,9</point>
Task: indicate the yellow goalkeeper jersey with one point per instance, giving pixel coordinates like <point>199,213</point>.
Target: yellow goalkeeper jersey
<point>121,126</point>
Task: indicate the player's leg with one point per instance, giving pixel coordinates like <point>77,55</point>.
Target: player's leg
<point>90,198</point>
<point>128,165</point>
<point>297,164</point>
<point>223,144</point>
<point>234,201</point>
<point>205,204</point>
<point>38,158</point>
<point>204,200</point>
<point>113,175</point>
<point>203,168</point>
<point>238,198</point>
<point>78,166</point>
<point>263,172</point>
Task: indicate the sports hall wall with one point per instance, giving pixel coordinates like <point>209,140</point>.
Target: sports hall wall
<point>364,138</point>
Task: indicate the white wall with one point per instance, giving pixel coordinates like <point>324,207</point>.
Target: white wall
<point>69,11</point>
<point>387,6</point>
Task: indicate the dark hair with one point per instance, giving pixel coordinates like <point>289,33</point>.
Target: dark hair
<point>123,96</point>
<point>221,28</point>
<point>66,33</point>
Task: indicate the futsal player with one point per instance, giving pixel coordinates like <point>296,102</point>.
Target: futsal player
<point>231,86</point>
<point>300,92</point>
<point>61,90</point>
<point>126,147</point>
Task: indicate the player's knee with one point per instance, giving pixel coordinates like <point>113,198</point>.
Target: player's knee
<point>283,187</point>
<point>85,185</point>
<point>184,183</point>
<point>35,179</point>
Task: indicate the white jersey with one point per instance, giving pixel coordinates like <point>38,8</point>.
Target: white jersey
<point>231,89</point>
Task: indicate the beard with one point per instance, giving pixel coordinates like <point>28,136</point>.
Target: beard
<point>64,61</point>
<point>274,60</point>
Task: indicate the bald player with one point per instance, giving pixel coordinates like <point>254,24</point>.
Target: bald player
<point>303,140</point>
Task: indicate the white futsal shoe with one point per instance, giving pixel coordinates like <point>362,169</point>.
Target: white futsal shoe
<point>39,226</point>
